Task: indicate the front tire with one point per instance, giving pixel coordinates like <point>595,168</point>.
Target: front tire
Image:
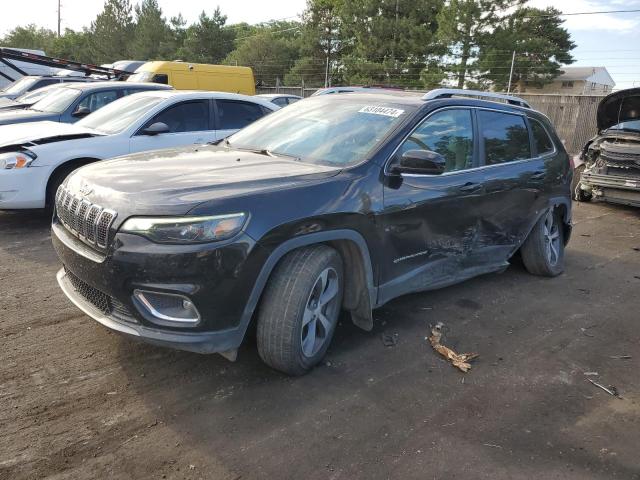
<point>299,309</point>
<point>543,250</point>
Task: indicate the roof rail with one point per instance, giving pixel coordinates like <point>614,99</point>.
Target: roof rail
<point>459,92</point>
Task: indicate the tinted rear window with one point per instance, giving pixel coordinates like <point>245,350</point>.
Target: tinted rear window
<point>505,137</point>
<point>540,138</point>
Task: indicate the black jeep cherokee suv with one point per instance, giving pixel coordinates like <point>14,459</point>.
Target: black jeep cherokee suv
<point>338,202</point>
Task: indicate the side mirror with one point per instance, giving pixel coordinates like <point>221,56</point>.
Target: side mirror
<point>424,162</point>
<point>156,129</point>
<point>80,112</point>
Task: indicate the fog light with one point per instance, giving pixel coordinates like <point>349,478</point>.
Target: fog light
<point>166,308</point>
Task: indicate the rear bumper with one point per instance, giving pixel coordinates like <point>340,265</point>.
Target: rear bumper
<point>199,342</point>
<point>612,188</point>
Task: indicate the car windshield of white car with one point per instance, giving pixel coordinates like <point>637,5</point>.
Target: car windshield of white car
<point>20,86</point>
<point>57,101</point>
<point>118,115</point>
<point>317,130</point>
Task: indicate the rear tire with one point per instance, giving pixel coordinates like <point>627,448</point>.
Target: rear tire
<point>577,193</point>
<point>299,309</point>
<point>543,250</point>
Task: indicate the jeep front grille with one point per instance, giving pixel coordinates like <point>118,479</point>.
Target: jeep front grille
<point>90,223</point>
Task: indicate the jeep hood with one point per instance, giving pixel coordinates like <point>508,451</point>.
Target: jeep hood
<point>25,135</point>
<point>178,179</point>
<point>618,107</point>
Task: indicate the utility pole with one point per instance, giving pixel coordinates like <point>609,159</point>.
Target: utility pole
<point>327,82</point>
<point>59,16</point>
<point>513,61</point>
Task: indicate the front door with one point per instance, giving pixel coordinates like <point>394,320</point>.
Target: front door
<point>430,221</point>
<point>188,122</point>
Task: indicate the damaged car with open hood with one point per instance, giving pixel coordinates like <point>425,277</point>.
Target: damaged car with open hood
<point>610,162</point>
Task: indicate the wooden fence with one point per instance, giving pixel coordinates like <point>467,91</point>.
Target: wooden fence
<point>574,116</point>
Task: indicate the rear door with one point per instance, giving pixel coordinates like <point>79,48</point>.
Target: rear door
<point>509,168</point>
<point>232,115</point>
<point>189,122</point>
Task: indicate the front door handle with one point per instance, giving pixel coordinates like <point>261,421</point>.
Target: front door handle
<point>539,175</point>
<point>470,187</point>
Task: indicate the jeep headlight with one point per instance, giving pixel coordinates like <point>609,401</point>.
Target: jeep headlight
<point>13,160</point>
<point>186,229</point>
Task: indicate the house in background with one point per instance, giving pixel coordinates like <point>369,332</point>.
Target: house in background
<point>578,81</point>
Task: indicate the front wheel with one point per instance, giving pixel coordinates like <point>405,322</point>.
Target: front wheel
<point>543,250</point>
<point>300,308</point>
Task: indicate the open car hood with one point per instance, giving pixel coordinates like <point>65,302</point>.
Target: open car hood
<point>619,107</point>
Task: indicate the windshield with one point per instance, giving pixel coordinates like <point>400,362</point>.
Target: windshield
<point>322,130</point>
<point>57,101</point>
<point>118,115</point>
<point>36,95</point>
<point>140,77</point>
<point>633,125</point>
<point>20,86</point>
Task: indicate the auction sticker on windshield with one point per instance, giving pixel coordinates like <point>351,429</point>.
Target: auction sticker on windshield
<point>386,111</point>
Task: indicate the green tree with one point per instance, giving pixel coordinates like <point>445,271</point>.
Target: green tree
<point>154,38</point>
<point>31,37</point>
<point>462,27</point>
<point>208,40</point>
<point>73,45</point>
<point>390,41</point>
<point>112,32</point>
<point>271,50</point>
<point>541,44</point>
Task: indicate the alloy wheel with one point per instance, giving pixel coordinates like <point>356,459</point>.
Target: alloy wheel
<point>551,233</point>
<point>320,312</point>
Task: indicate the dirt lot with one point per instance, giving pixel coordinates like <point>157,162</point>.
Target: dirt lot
<point>77,401</point>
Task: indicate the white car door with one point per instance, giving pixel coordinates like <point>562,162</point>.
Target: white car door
<point>232,115</point>
<point>188,122</point>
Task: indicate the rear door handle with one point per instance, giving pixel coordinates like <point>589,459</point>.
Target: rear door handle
<point>470,187</point>
<point>540,175</point>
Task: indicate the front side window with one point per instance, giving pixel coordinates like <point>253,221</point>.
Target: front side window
<point>449,133</point>
<point>325,129</point>
<point>185,117</point>
<point>541,138</point>
<point>504,136</point>
<point>234,115</point>
<point>95,101</point>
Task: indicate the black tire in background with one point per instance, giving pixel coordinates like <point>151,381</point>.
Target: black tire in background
<point>299,309</point>
<point>543,250</point>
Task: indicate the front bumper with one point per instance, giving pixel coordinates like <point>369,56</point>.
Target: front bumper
<point>223,342</point>
<point>612,188</point>
<point>23,187</point>
<point>218,279</point>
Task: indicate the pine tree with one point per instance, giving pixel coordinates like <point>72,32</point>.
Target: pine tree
<point>541,44</point>
<point>462,27</point>
<point>112,32</point>
<point>154,38</point>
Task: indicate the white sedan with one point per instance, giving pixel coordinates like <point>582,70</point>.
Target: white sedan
<point>36,157</point>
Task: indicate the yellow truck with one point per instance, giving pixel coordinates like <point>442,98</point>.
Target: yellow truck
<point>197,76</point>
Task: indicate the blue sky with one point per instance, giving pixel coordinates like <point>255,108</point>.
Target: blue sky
<point>612,41</point>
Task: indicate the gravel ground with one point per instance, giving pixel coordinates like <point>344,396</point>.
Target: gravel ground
<point>77,401</point>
